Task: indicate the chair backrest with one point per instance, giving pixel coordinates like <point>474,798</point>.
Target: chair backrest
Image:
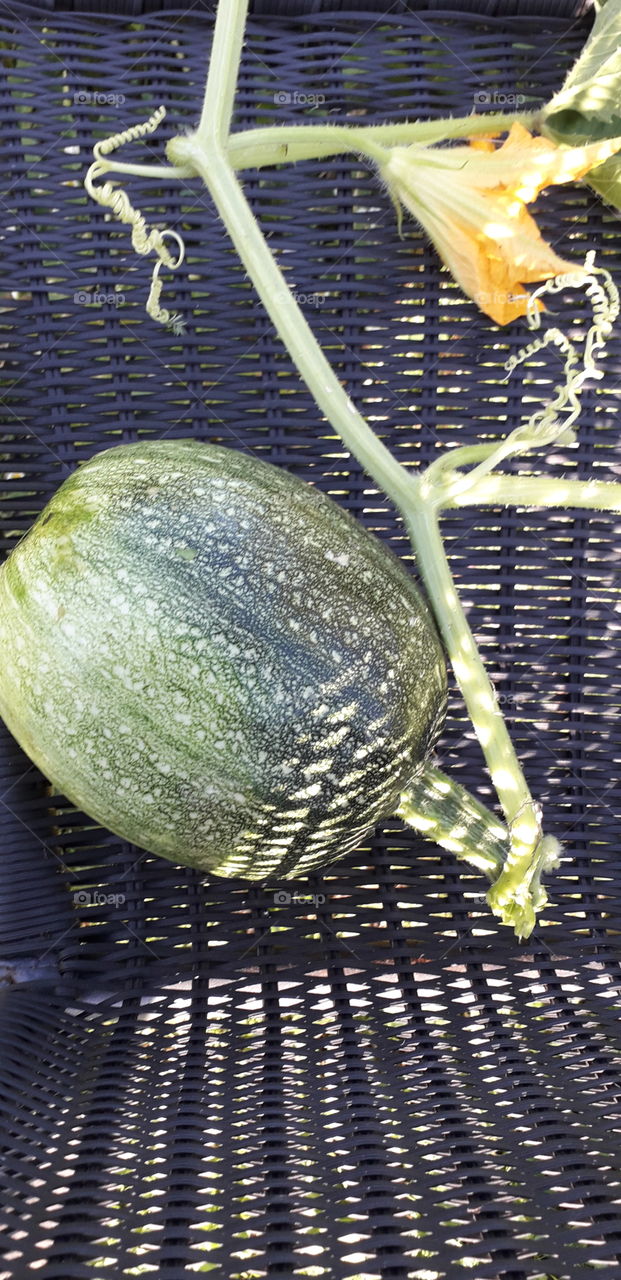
<point>387,1061</point>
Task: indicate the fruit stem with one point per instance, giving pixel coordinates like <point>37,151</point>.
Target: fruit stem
<point>443,811</point>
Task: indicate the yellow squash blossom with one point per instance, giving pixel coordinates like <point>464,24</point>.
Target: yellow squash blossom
<point>471,200</point>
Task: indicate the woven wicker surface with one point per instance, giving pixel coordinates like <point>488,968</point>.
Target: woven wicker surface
<point>373,1079</point>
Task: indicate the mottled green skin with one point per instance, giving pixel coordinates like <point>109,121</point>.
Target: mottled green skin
<point>215,661</point>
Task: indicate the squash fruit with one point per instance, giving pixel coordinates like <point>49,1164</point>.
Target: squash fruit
<point>215,661</point>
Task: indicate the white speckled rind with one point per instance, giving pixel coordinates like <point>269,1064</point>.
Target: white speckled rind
<point>215,661</point>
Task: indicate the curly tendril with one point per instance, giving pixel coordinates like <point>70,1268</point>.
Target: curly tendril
<point>544,426</point>
<point>112,197</point>
<point>555,421</point>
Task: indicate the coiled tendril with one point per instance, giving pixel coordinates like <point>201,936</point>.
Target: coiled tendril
<point>544,426</point>
<point>113,197</point>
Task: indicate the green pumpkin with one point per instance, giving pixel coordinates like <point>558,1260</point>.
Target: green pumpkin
<point>214,661</point>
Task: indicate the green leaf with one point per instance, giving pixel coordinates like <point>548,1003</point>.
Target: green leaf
<point>588,107</point>
<point>606,180</point>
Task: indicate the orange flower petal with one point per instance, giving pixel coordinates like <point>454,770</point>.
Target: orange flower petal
<point>483,143</point>
<point>475,210</point>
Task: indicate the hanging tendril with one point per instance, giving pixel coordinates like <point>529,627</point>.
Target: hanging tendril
<point>111,196</point>
<point>543,426</point>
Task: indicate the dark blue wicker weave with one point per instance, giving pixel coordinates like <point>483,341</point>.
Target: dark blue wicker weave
<point>383,1083</point>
